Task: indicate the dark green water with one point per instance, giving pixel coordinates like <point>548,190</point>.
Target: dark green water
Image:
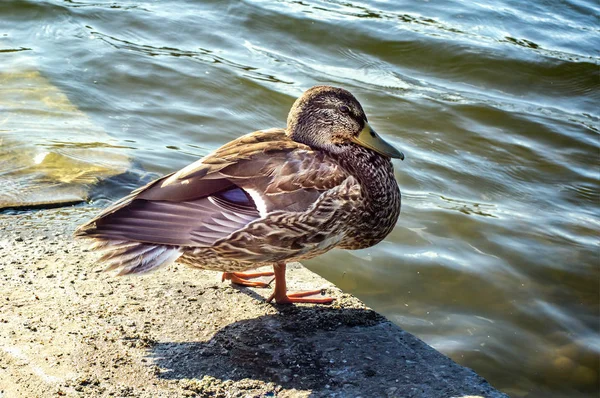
<point>495,260</point>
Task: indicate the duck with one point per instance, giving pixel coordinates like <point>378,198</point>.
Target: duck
<point>267,198</point>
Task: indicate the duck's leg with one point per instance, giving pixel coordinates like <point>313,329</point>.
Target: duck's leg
<point>281,295</point>
<point>244,278</point>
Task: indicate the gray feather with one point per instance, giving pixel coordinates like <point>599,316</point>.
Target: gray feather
<point>137,258</point>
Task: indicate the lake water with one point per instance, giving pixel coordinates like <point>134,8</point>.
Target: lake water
<point>495,260</point>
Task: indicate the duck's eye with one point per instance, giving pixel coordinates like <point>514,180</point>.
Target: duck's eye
<point>344,109</point>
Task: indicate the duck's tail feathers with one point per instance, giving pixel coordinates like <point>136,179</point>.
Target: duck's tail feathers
<point>135,257</point>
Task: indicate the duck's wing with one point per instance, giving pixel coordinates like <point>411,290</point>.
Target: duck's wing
<point>210,199</point>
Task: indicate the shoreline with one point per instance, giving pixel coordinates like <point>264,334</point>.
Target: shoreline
<point>67,329</point>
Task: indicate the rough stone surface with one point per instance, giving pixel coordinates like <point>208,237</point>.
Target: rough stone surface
<point>67,329</point>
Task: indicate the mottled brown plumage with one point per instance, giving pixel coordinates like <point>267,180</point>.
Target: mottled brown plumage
<point>267,198</point>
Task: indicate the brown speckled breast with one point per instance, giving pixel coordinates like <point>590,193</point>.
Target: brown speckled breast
<point>379,207</point>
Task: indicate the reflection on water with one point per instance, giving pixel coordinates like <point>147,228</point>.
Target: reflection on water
<point>495,258</point>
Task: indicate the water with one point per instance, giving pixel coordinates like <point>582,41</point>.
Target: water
<point>495,259</point>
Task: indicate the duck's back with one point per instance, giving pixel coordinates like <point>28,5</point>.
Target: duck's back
<point>258,199</point>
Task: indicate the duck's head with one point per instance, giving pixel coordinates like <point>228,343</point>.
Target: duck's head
<point>331,119</point>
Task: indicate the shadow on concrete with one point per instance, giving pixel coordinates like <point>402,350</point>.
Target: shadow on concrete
<point>298,348</point>
<point>326,350</point>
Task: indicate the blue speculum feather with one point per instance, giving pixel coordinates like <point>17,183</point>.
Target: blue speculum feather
<point>236,195</point>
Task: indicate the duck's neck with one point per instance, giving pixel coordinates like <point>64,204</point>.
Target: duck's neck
<point>379,210</point>
<point>375,174</point>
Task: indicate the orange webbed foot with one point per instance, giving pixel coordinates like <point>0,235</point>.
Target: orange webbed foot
<point>282,296</point>
<point>310,296</point>
<point>245,278</point>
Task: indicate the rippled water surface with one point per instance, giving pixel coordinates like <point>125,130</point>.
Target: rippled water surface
<point>495,259</point>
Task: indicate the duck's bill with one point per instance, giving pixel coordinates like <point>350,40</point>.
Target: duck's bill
<point>370,139</point>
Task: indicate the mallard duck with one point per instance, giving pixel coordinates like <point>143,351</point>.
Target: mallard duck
<point>267,198</point>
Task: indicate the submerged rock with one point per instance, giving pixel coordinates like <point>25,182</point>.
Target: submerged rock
<point>50,151</point>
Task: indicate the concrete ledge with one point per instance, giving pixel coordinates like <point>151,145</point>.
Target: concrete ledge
<point>68,330</point>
